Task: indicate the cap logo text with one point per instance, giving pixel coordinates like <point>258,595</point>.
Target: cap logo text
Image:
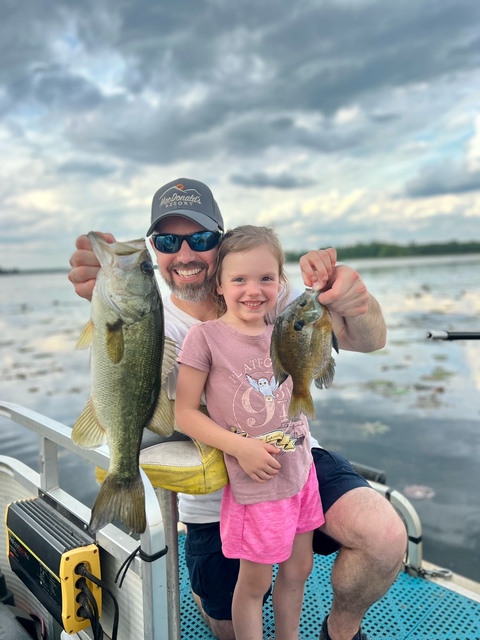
<point>180,198</point>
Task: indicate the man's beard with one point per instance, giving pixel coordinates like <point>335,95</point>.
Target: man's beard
<point>195,292</point>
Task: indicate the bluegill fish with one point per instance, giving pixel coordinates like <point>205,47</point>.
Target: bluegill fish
<point>130,359</point>
<point>301,347</point>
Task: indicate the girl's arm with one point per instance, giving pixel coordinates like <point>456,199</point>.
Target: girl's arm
<point>254,456</point>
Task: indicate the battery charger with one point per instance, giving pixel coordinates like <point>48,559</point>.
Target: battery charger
<point>45,549</point>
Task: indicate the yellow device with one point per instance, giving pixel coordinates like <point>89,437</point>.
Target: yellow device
<point>45,549</point>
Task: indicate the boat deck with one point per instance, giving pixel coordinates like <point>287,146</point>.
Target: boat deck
<point>413,608</point>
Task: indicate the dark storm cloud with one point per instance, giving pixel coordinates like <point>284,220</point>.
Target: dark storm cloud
<point>27,33</point>
<point>249,65</point>
<point>91,169</point>
<point>442,179</point>
<point>281,181</point>
<point>314,55</point>
<point>55,88</point>
<point>339,53</point>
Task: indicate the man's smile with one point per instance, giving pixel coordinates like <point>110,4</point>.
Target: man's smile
<point>188,273</point>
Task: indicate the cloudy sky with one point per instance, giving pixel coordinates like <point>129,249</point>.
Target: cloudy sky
<point>335,121</point>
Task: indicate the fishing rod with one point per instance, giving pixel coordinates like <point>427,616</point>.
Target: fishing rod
<point>453,335</point>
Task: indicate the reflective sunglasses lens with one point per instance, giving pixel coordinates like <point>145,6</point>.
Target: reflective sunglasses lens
<point>167,243</point>
<point>203,240</point>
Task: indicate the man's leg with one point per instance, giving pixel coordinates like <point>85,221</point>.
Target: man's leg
<point>212,578</point>
<point>372,539</point>
<point>221,629</point>
<point>373,543</point>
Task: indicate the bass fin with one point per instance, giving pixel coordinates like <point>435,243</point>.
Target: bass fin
<point>86,337</point>
<point>115,344</point>
<point>326,379</point>
<point>118,500</point>
<point>163,418</point>
<point>170,349</point>
<point>87,433</point>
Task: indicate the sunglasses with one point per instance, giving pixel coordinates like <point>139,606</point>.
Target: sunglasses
<point>199,241</point>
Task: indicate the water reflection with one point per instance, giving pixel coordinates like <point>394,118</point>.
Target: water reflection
<point>412,408</point>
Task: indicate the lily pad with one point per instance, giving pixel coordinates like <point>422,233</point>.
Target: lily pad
<point>376,428</point>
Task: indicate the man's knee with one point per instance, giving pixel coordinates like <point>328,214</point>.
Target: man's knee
<point>222,629</point>
<point>394,539</point>
<point>362,519</point>
<point>387,538</point>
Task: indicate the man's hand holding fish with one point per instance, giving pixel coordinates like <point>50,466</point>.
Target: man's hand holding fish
<point>356,315</point>
<point>85,265</point>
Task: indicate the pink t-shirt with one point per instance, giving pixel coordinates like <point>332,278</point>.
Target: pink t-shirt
<point>243,396</point>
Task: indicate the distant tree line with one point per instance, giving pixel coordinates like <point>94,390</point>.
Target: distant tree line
<point>387,250</point>
<point>370,250</point>
<point>8,271</point>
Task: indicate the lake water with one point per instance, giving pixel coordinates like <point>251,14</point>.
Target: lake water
<point>411,409</point>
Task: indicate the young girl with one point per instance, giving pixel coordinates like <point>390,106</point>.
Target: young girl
<point>271,505</point>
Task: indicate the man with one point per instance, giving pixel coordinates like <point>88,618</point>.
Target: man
<point>187,225</point>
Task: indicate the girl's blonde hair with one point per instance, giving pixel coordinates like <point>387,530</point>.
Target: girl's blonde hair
<point>245,238</point>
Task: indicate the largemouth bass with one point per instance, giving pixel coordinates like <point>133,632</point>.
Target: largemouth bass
<point>301,347</point>
<point>130,359</point>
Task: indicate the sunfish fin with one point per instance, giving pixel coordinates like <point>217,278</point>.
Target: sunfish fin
<point>115,343</point>
<point>87,433</point>
<point>120,500</point>
<point>279,373</point>
<point>301,404</point>
<point>163,418</point>
<point>326,379</point>
<point>86,337</point>
<point>334,342</point>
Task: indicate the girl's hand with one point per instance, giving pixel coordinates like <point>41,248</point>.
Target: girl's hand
<point>257,459</point>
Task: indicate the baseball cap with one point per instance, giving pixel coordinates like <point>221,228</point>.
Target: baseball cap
<point>187,198</point>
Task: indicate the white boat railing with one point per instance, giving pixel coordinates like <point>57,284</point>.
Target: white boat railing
<point>159,579</point>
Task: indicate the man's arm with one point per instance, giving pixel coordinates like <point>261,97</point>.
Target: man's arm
<point>357,317</point>
<point>85,266</point>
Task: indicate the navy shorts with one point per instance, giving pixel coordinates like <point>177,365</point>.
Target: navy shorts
<point>213,577</point>
<point>336,477</point>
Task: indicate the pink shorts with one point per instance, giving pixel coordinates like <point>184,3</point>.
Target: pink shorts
<point>263,532</point>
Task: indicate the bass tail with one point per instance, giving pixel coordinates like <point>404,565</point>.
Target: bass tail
<point>120,500</point>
